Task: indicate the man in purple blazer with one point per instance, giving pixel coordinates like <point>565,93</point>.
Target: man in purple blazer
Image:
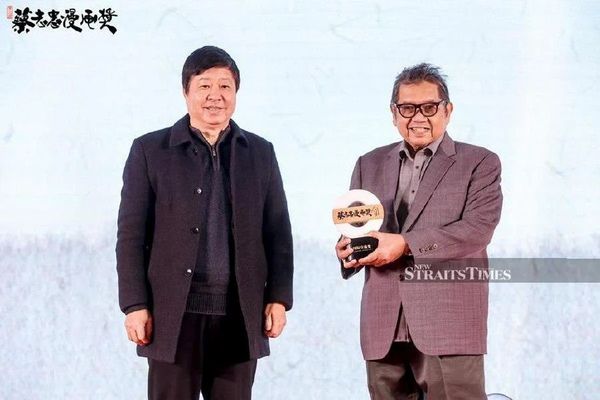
<point>442,202</point>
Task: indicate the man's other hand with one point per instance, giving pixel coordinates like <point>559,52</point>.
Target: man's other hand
<point>342,250</point>
<point>275,319</point>
<point>139,327</point>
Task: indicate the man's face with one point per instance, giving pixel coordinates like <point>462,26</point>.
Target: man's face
<point>210,99</point>
<point>419,130</point>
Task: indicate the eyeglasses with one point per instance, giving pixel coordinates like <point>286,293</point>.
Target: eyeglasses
<point>408,110</point>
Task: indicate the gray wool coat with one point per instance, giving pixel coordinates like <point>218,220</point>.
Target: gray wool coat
<point>156,246</point>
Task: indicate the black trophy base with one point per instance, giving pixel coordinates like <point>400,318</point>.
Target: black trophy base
<point>362,246</point>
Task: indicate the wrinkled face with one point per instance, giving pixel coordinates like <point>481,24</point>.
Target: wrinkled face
<point>419,130</point>
<point>210,99</point>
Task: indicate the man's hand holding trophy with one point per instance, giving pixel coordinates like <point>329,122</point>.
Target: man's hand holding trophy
<point>358,215</point>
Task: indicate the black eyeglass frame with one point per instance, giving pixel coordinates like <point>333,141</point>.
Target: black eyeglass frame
<point>418,108</point>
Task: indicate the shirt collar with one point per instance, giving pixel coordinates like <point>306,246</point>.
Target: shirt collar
<point>223,135</point>
<point>428,150</point>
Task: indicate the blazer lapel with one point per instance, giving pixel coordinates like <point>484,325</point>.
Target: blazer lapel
<point>439,165</point>
<point>391,170</point>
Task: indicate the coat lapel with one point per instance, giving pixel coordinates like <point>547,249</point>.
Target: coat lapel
<point>242,180</point>
<point>439,165</point>
<point>180,141</point>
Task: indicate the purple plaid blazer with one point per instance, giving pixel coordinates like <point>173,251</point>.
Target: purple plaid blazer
<point>450,222</point>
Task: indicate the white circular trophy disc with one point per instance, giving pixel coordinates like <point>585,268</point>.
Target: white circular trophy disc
<point>360,197</point>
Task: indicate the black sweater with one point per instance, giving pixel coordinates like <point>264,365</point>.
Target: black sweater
<point>209,288</point>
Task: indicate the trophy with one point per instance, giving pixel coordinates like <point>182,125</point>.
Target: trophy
<point>355,214</point>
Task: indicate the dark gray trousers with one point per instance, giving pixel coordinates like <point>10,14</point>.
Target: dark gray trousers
<point>406,373</point>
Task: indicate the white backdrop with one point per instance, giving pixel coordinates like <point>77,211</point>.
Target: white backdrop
<point>316,79</point>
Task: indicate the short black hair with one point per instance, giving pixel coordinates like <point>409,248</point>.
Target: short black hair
<point>421,73</point>
<point>205,58</point>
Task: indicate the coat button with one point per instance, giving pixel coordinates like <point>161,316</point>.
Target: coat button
<point>198,191</point>
<point>195,151</point>
<point>188,272</point>
<point>195,230</point>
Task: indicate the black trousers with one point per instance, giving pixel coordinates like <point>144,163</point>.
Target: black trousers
<point>212,359</point>
<point>406,373</point>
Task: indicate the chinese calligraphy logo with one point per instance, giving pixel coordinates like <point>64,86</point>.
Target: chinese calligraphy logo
<point>357,214</point>
<point>24,20</point>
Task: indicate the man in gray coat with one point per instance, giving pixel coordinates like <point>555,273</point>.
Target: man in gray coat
<point>204,245</point>
<point>424,306</point>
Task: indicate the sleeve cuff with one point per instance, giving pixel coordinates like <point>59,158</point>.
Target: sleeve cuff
<point>135,307</point>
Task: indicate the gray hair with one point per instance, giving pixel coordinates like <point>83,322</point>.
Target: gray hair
<point>421,73</point>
